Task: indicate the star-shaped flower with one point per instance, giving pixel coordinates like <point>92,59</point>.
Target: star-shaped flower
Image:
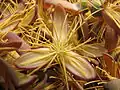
<point>59,51</point>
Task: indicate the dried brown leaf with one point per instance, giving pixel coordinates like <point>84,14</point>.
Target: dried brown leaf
<point>109,63</point>
<point>110,22</point>
<point>111,38</point>
<point>11,44</point>
<point>8,75</point>
<point>85,29</point>
<point>13,79</point>
<point>12,37</point>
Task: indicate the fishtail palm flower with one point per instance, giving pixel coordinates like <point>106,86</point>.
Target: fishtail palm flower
<point>60,51</point>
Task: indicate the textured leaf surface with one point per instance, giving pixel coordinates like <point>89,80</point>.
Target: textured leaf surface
<point>93,50</point>
<point>60,30</point>
<point>79,66</point>
<point>34,59</point>
<point>29,16</point>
